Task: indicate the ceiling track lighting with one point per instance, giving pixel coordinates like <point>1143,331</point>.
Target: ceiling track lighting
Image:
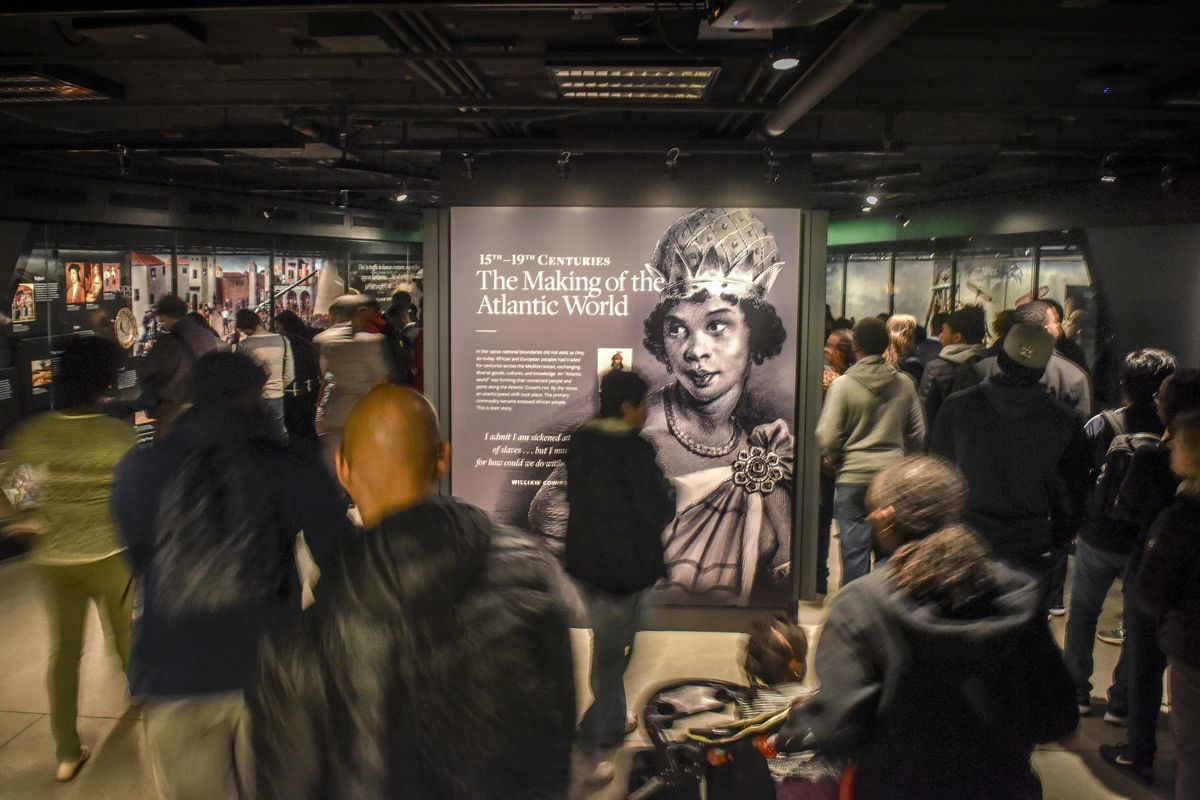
<point>564,165</point>
<point>773,166</point>
<point>468,166</point>
<point>1107,173</point>
<point>402,195</point>
<point>343,198</point>
<point>1168,179</point>
<point>672,164</point>
<point>785,50</point>
<point>123,156</point>
<point>903,219</point>
<point>871,199</point>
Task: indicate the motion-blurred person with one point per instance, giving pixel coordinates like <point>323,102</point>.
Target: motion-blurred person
<point>953,370</point>
<point>373,320</point>
<point>1065,345</point>
<point>353,361</point>
<point>1168,589</point>
<point>1147,490</point>
<point>58,473</point>
<point>619,505</point>
<point>1065,380</point>
<point>165,372</point>
<point>929,342</point>
<point>300,396</point>
<point>272,352</point>
<point>210,515</point>
<point>870,419</point>
<point>1024,455</point>
<point>942,633</point>
<point>902,348</point>
<point>402,314</point>
<point>436,663</point>
<point>1107,534</point>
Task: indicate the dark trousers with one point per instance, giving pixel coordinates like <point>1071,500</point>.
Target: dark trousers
<point>824,525</point>
<point>1058,576</point>
<point>1146,662</point>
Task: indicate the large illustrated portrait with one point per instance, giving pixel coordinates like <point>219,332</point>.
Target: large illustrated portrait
<point>76,273</point>
<point>24,309</point>
<point>93,283</point>
<point>709,331</point>
<point>112,278</point>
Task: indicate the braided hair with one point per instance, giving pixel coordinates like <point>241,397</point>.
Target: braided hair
<point>948,568</point>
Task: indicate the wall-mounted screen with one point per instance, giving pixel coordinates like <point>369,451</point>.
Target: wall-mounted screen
<point>703,303</point>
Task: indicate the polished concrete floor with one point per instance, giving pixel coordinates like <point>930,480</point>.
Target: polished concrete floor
<point>1070,770</point>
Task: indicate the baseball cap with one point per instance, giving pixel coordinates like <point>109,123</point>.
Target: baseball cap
<point>1030,346</point>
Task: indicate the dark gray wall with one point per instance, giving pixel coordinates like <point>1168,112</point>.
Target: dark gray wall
<point>1150,277</point>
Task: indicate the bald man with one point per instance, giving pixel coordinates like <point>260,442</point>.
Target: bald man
<point>436,661</point>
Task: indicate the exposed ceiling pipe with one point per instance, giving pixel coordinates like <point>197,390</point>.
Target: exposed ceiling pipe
<point>858,44</point>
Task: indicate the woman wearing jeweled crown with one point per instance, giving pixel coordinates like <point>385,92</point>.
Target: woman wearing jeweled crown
<point>729,455</point>
<point>732,469</point>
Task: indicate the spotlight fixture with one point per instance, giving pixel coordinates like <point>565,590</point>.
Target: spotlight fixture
<point>468,165</point>
<point>871,199</point>
<point>564,165</point>
<point>1168,179</point>
<point>267,213</point>
<point>903,220</point>
<point>343,198</point>
<point>868,208</point>
<point>123,154</point>
<point>1107,173</point>
<point>402,195</point>
<point>672,165</point>
<point>785,52</point>
<point>773,168</point>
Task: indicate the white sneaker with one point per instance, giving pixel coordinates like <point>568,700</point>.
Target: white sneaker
<point>67,770</point>
<point>601,774</point>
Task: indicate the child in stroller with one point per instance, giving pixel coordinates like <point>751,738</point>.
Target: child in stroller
<point>735,759</point>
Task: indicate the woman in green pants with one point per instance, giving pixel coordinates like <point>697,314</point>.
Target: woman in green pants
<point>56,477</point>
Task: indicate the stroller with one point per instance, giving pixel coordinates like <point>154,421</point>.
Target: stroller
<point>723,760</point>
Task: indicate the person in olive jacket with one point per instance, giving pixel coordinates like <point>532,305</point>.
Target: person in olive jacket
<point>620,503</point>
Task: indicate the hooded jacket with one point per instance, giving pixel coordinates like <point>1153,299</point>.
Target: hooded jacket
<point>203,653</point>
<point>932,706</point>
<point>619,503</point>
<point>1026,461</point>
<point>937,383</point>
<point>870,419</point>
<point>1066,381</point>
<point>435,664</point>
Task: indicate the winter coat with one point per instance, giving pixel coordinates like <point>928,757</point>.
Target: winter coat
<point>940,373</point>
<point>166,371</point>
<point>931,706</point>
<point>1066,381</point>
<point>619,504</point>
<point>870,419</point>
<point>435,664</point>
<point>1025,459</point>
<point>1168,581</point>
<point>202,653</point>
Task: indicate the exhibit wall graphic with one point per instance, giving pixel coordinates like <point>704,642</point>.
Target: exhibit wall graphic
<point>703,303</point>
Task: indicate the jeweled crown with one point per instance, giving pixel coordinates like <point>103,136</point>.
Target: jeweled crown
<point>727,251</point>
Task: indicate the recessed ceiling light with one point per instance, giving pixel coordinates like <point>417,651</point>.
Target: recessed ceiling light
<point>400,197</point>
<point>785,62</point>
<point>872,200</point>
<point>659,82</point>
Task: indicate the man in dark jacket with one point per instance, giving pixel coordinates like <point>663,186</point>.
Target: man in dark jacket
<point>165,372</point>
<point>938,672</point>
<point>210,515</point>
<point>1105,538</point>
<point>436,662</point>
<point>620,503</point>
<point>1023,453</point>
<point>1168,589</point>
<point>952,370</point>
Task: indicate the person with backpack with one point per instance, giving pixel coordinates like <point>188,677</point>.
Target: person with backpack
<point>953,369</point>
<point>210,516</point>
<point>1108,533</point>
<point>166,369</point>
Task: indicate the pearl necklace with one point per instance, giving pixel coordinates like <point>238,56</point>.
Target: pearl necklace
<point>709,451</point>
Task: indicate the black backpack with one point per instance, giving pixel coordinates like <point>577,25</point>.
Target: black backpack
<point>1106,493</point>
<point>221,546</point>
<point>966,375</point>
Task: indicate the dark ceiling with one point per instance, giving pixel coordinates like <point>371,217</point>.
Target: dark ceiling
<point>307,100</point>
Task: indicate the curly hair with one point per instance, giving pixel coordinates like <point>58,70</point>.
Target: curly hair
<point>949,568</point>
<point>775,652</point>
<point>767,333</point>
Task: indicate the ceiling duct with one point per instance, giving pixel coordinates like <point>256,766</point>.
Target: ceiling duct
<point>172,31</point>
<point>863,40</point>
<point>759,15</point>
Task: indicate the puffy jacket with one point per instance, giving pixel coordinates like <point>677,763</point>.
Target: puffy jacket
<point>435,664</point>
<point>932,706</point>
<point>870,419</point>
<point>937,383</point>
<point>619,504</point>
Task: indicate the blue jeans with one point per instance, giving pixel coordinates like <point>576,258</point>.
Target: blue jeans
<point>854,532</point>
<point>614,620</point>
<point>1095,571</point>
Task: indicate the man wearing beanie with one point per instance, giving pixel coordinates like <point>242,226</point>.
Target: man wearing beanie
<point>1024,454</point>
<point>871,419</point>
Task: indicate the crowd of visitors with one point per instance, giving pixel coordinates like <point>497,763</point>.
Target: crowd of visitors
<point>322,622</point>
